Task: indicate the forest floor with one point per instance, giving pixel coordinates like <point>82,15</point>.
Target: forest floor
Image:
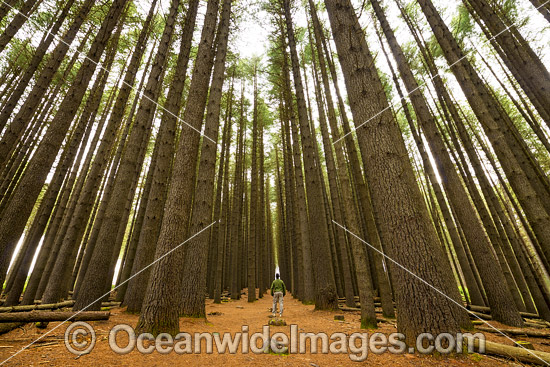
<point>228,317</point>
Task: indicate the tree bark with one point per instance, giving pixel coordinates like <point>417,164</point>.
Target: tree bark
<point>497,128</point>
<point>162,302</point>
<point>491,274</point>
<point>526,66</point>
<point>236,207</point>
<point>220,238</point>
<point>5,8</point>
<point>403,218</point>
<point>325,290</point>
<point>95,279</point>
<point>17,213</point>
<point>166,145</point>
<point>254,190</point>
<point>17,22</point>
<point>55,291</point>
<point>542,7</point>
<point>15,96</point>
<point>194,266</point>
<point>25,113</point>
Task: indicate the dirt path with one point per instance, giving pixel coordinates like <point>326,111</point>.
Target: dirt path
<point>51,350</point>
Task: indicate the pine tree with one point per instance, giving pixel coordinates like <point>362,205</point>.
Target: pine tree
<point>325,290</point>
<point>165,145</point>
<point>194,266</point>
<point>388,167</point>
<point>17,213</point>
<point>162,303</point>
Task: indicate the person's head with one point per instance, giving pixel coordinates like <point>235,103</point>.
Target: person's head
<point>277,276</point>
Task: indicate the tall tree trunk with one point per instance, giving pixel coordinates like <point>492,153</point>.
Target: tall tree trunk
<point>54,290</point>
<point>95,278</point>
<point>364,205</point>
<point>15,96</point>
<point>491,274</point>
<point>220,239</point>
<point>44,212</point>
<point>497,127</point>
<point>474,291</point>
<point>295,192</point>
<point>17,22</point>
<point>126,267</point>
<point>166,145</point>
<point>162,301</point>
<point>543,7</point>
<point>104,199</point>
<point>215,253</point>
<point>236,206</point>
<point>254,190</point>
<point>6,6</point>
<point>325,290</point>
<point>403,218</point>
<point>27,110</point>
<point>263,281</point>
<point>24,198</point>
<point>337,206</point>
<point>526,66</point>
<point>194,266</point>
<point>20,267</point>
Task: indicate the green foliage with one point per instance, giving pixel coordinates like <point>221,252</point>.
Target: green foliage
<point>506,7</point>
<point>461,24</point>
<point>410,50</point>
<point>19,53</point>
<point>386,82</point>
<point>526,132</point>
<point>434,48</point>
<point>43,19</point>
<point>244,68</point>
<point>98,12</point>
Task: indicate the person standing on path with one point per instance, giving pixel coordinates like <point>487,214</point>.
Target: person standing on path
<point>278,291</point>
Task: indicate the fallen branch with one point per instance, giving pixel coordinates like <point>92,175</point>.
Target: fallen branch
<point>386,321</point>
<point>6,328</point>
<point>47,316</point>
<point>517,331</point>
<point>529,315</point>
<point>48,306</point>
<point>349,309</point>
<point>36,345</point>
<point>487,310</point>
<point>110,304</point>
<point>528,323</point>
<point>481,315</point>
<point>540,322</point>
<point>520,354</point>
<point>484,316</point>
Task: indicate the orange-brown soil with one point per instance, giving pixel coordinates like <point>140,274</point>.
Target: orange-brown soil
<point>51,350</point>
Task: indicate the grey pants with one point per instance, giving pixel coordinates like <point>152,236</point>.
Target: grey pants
<point>278,296</point>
